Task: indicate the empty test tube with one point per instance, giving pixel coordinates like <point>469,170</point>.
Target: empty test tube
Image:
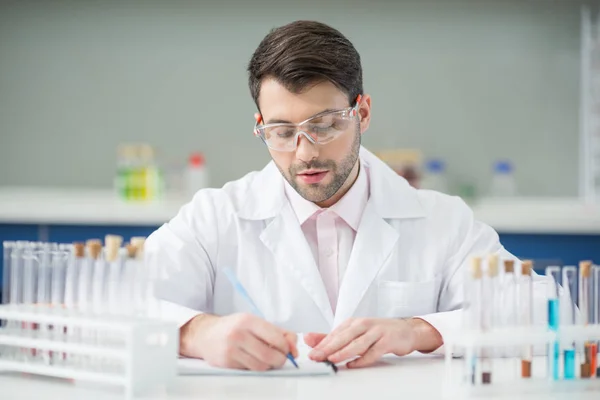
<point>142,284</point>
<point>472,316</point>
<point>7,251</point>
<point>553,274</point>
<point>569,283</point>
<point>588,366</point>
<point>526,314</point>
<point>508,306</point>
<point>488,314</point>
<point>596,275</point>
<point>58,267</point>
<point>76,257</point>
<point>113,245</point>
<point>127,289</point>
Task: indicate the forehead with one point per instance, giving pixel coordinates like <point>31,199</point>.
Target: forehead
<point>278,103</point>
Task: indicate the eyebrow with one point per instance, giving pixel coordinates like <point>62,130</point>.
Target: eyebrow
<point>283,121</point>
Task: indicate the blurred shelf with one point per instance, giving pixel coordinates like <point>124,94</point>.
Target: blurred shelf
<point>102,207</point>
<point>539,215</point>
<point>82,207</point>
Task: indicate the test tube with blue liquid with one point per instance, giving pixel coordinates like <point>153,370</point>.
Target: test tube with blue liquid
<point>553,274</point>
<point>569,283</point>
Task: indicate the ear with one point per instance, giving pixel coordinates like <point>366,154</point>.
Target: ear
<point>258,117</point>
<point>364,112</point>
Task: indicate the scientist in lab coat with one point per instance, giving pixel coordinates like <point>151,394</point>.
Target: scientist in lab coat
<point>327,239</point>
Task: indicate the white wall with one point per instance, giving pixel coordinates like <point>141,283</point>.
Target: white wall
<point>469,81</point>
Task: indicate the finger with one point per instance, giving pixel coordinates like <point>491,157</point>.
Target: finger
<point>292,339</point>
<point>357,347</point>
<point>337,342</point>
<point>313,339</point>
<point>263,352</point>
<point>369,358</point>
<point>248,361</point>
<point>340,328</point>
<point>270,334</point>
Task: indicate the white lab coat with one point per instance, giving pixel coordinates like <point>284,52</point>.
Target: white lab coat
<point>411,251</point>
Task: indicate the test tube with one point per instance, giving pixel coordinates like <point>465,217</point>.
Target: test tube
<point>7,251</point>
<point>509,310</point>
<point>553,274</point>
<point>142,283</point>
<point>596,274</point>
<point>57,296</point>
<point>44,287</point>
<point>72,275</point>
<point>128,291</point>
<point>472,316</point>
<point>75,265</point>
<point>588,366</point>
<point>526,314</point>
<point>569,283</point>
<point>488,314</point>
<point>113,246</point>
<point>98,282</point>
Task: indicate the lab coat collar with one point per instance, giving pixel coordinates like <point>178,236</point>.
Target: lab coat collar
<point>391,195</point>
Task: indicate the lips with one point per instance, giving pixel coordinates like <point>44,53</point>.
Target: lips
<point>312,176</point>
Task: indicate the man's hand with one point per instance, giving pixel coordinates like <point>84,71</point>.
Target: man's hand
<point>241,341</point>
<point>371,338</point>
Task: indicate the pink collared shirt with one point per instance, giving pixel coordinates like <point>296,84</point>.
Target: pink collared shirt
<point>330,232</point>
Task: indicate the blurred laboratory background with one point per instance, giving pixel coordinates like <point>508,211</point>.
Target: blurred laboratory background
<point>113,113</point>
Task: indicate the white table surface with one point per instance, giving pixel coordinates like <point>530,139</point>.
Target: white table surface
<point>103,207</point>
<point>393,378</point>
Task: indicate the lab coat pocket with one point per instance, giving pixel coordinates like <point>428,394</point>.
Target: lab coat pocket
<point>406,299</point>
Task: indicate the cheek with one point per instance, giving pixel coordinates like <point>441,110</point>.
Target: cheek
<point>338,149</point>
<point>283,160</point>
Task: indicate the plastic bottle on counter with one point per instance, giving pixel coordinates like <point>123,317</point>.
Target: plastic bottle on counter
<point>125,167</point>
<point>435,176</point>
<point>503,180</point>
<point>197,173</point>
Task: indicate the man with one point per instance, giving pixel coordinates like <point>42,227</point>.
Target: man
<point>327,240</point>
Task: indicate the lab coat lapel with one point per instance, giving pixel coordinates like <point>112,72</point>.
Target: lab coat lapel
<point>375,239</point>
<point>284,238</point>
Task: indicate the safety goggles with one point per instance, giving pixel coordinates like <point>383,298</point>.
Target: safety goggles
<point>320,129</point>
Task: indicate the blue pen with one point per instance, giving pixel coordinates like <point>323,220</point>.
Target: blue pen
<point>237,285</point>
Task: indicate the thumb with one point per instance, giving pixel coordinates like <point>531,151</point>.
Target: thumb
<point>313,339</point>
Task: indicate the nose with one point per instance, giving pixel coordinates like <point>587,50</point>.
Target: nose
<point>305,149</point>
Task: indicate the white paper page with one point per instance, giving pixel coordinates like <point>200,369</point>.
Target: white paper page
<point>191,366</point>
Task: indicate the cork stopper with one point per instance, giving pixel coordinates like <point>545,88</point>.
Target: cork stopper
<point>79,249</point>
<point>94,248</point>
<point>112,243</point>
<point>509,266</point>
<point>138,242</point>
<point>585,268</point>
<point>526,267</point>
<point>492,265</point>
<point>131,249</point>
<point>476,267</point>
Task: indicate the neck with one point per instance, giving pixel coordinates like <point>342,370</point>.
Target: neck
<point>344,189</point>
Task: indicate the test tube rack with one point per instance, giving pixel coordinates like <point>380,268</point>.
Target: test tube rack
<point>144,349</point>
<point>468,343</point>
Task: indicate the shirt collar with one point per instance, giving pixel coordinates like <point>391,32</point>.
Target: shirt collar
<point>350,207</point>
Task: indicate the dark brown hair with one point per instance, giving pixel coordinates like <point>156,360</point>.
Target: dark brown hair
<point>304,53</point>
